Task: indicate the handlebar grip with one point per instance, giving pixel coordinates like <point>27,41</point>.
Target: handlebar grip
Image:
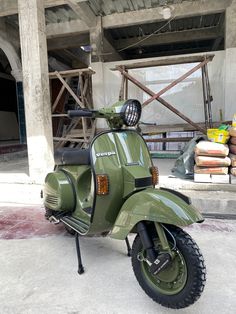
<point>79,113</point>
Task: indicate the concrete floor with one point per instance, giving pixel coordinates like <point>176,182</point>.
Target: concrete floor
<point>38,269</point>
<point>38,260</point>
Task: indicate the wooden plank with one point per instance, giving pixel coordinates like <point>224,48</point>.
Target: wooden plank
<point>59,115</point>
<point>69,89</point>
<point>122,86</point>
<point>71,73</point>
<point>84,121</point>
<point>168,139</point>
<point>85,86</point>
<point>81,87</point>
<point>159,129</point>
<point>165,61</point>
<point>59,96</point>
<point>93,130</point>
<point>78,132</point>
<point>69,139</point>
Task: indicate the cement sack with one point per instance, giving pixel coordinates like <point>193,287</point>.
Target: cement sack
<point>233,171</point>
<point>233,160</point>
<point>211,170</point>
<point>232,131</point>
<point>232,149</point>
<point>209,161</point>
<point>205,148</point>
<point>233,140</point>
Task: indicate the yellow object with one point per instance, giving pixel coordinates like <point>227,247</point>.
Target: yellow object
<point>218,136</point>
<point>234,120</point>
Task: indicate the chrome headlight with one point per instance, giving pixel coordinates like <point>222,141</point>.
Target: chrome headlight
<point>131,112</point>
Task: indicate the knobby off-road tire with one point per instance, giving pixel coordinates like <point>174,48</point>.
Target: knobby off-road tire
<point>182,282</point>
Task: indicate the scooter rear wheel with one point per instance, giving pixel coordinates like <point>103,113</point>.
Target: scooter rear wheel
<point>182,282</point>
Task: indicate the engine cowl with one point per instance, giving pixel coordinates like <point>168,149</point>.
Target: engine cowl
<point>58,192</point>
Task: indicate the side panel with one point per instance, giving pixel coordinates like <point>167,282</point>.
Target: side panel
<point>70,188</point>
<point>154,205</point>
<point>116,154</point>
<point>58,192</point>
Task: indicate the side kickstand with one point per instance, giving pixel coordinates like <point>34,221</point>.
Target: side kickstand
<point>80,265</point>
<point>128,246</point>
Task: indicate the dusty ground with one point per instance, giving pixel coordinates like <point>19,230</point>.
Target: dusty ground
<point>38,269</point>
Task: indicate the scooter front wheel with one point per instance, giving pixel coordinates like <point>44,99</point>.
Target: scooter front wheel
<point>182,282</point>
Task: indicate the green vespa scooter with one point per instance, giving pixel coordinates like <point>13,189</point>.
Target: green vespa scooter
<point>109,189</point>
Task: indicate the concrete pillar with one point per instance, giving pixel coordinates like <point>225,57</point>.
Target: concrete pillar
<point>230,61</point>
<point>96,41</point>
<point>36,87</point>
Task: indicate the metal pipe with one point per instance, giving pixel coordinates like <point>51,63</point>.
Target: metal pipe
<point>204,98</point>
<point>208,96</point>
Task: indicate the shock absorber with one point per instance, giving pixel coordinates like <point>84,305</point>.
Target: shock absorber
<point>147,242</point>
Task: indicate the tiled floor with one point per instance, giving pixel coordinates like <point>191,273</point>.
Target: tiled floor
<point>22,222</point>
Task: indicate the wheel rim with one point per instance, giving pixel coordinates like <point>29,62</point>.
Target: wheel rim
<point>171,280</point>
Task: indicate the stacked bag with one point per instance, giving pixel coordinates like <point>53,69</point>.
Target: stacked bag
<point>212,158</point>
<point>232,149</point>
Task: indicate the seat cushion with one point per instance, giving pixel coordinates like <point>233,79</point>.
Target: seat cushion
<point>72,156</point>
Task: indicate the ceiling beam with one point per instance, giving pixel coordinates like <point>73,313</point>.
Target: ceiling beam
<point>110,53</point>
<point>109,50</point>
<point>74,27</point>
<point>66,42</point>
<point>184,9</point>
<point>171,37</point>
<point>10,7</point>
<point>83,11</point>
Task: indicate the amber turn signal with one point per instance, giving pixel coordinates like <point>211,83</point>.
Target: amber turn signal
<point>155,175</point>
<point>102,184</point>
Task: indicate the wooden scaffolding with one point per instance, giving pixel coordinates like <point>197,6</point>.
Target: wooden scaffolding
<point>202,61</point>
<point>70,90</point>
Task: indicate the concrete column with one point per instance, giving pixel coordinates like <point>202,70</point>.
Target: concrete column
<point>36,87</point>
<point>230,61</point>
<point>96,41</point>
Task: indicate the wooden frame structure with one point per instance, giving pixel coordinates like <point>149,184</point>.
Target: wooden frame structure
<point>207,98</point>
<point>79,131</point>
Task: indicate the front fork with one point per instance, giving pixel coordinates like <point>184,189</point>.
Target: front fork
<point>162,237</point>
<point>156,260</point>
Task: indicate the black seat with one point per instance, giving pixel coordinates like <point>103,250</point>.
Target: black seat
<point>72,156</point>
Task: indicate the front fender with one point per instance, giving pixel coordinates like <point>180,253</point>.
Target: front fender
<point>153,205</point>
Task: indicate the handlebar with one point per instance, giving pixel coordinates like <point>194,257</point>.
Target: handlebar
<point>80,113</point>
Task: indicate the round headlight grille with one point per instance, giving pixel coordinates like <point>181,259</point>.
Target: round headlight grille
<point>131,112</point>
